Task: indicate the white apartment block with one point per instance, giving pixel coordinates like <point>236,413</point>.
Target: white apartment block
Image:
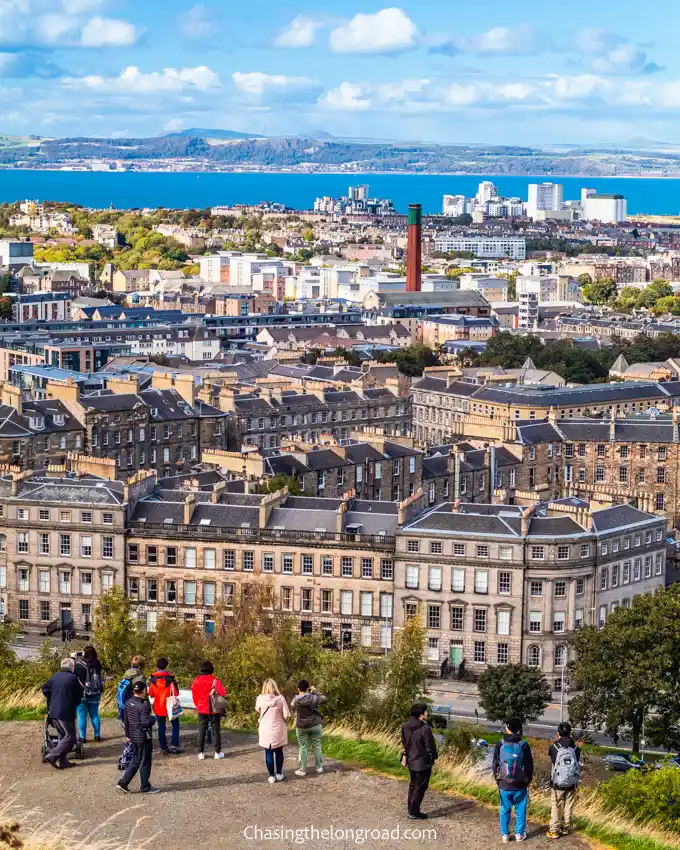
<point>544,196</point>
<point>513,247</point>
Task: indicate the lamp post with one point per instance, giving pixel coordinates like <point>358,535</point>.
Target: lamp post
<point>563,687</point>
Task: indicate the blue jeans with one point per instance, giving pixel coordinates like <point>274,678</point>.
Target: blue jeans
<point>520,800</point>
<point>162,737</point>
<point>89,705</point>
<point>269,760</point>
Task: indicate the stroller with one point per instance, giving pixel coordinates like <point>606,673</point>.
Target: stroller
<point>51,738</point>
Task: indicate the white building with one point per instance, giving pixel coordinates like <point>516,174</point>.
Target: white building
<point>513,247</point>
<point>544,196</point>
<point>16,252</point>
<point>608,209</point>
<point>456,205</point>
<point>486,192</point>
<point>214,268</point>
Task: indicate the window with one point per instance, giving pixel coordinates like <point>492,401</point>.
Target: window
<point>502,653</point>
<point>366,634</point>
<point>482,551</point>
<point>615,546</point>
<point>560,656</point>
<point>662,453</point>
<point>64,516</point>
<point>386,601</point>
<point>602,617</point>
<point>560,588</point>
<point>249,562</point>
<point>435,548</point>
<point>45,615</point>
<point>171,591</point>
<point>22,541</point>
<point>626,543</point>
<point>604,549</point>
<point>327,565</point>
<point>86,516</point>
<point>616,569</point>
<point>458,580</point>
<point>386,569</point>
<point>505,553</point>
<point>413,545</point>
<point>23,579</point>
<point>268,563</point>
<point>435,578</point>
<point>559,618</point>
<point>346,604</point>
<point>479,620</point>
<point>44,581</point>
<point>107,547</point>
<point>503,622</point>
<point>208,559</point>
<point>434,616</point>
<point>306,599</point>
<point>638,539</point>
<point>457,615</point>
<point>504,582</point>
<point>433,649</point>
<point>385,636</point>
<point>366,567</point>
<point>327,601</point>
<point>86,546</point>
<point>536,588</point>
<point>43,543</point>
<point>637,569</point>
<point>623,475</point>
<point>585,550</point>
<point>599,473</point>
<point>459,549</point>
<point>481,581</point>
<point>648,566</point>
<point>23,609</point>
<point>346,566</point>
<point>660,502</point>
<point>534,656</point>
<point>623,452</point>
<point>287,598</point>
<point>22,513</point>
<point>229,559</point>
<point>171,556</point>
<point>412,576</point>
<point>64,582</point>
<point>538,553</point>
<point>659,534</point>
<point>366,604</point>
<point>43,514</point>
<point>189,592</point>
<point>535,622</point>
<point>479,652</point>
<point>626,572</point>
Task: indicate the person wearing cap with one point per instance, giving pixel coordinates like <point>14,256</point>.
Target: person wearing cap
<point>138,721</point>
<point>513,768</point>
<point>419,756</point>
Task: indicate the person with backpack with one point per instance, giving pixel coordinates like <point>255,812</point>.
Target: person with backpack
<point>209,695</point>
<point>139,722</point>
<point>130,678</point>
<point>271,728</point>
<point>161,686</point>
<point>513,768</point>
<point>88,668</point>
<point>419,755</point>
<point>308,725</point>
<point>564,780</point>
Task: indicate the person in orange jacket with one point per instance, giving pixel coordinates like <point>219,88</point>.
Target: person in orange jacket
<point>162,685</point>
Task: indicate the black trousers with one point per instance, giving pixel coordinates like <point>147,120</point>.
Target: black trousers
<point>420,779</point>
<point>141,761</point>
<point>203,720</point>
<point>66,730</point>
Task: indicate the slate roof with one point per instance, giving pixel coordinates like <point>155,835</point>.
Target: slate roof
<point>619,516</point>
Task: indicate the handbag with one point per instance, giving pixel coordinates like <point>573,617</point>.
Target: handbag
<point>173,706</point>
<point>218,704</point>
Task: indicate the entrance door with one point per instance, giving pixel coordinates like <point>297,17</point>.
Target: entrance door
<point>456,655</point>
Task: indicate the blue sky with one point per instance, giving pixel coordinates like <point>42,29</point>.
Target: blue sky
<point>495,72</point>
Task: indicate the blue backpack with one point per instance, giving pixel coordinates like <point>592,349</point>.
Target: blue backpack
<point>123,694</point>
<point>511,763</point>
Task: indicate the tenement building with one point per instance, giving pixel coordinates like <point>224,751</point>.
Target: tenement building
<point>497,583</point>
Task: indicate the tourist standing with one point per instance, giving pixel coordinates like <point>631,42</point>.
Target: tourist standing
<point>308,725</point>
<point>161,686</point>
<point>272,730</point>
<point>63,692</point>
<point>564,780</point>
<point>419,756</point>
<point>513,768</point>
<point>89,670</point>
<point>138,721</point>
<point>202,689</point>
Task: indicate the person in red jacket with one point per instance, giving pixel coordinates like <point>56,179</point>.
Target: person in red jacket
<point>201,688</point>
<point>162,685</point>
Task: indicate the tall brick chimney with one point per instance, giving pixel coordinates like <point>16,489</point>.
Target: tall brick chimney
<point>414,249</point>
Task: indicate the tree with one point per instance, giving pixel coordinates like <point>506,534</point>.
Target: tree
<point>278,482</point>
<point>668,304</point>
<point>412,360</point>
<point>663,730</point>
<point>600,291</point>
<point>585,279</point>
<point>511,277</point>
<point>115,631</point>
<point>405,674</point>
<point>5,308</point>
<point>656,290</point>
<point>513,690</point>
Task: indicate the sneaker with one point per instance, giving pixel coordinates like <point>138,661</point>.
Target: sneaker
<point>564,830</point>
<point>553,834</point>
<point>280,777</point>
<point>271,780</point>
<point>505,839</point>
<point>417,816</point>
<point>176,751</point>
<point>301,773</point>
<point>201,756</point>
<point>98,739</point>
<point>151,790</point>
<point>521,836</point>
<point>120,786</point>
<point>219,755</point>
<point>166,752</point>
<point>319,770</point>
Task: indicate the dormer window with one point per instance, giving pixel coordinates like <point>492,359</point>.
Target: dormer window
<point>37,423</point>
<point>59,419</point>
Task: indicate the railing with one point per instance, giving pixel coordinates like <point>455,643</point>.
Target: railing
<point>256,534</point>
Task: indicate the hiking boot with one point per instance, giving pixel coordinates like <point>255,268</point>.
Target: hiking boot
<point>564,830</point>
<point>553,835</point>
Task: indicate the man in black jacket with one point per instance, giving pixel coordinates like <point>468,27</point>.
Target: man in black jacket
<point>63,692</point>
<point>420,751</point>
<point>138,721</point>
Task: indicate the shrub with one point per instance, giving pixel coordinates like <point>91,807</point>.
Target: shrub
<point>646,796</point>
<point>347,679</point>
<point>405,675</point>
<point>458,740</point>
<point>513,690</point>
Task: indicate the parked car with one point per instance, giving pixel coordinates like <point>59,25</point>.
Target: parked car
<point>622,762</point>
<point>667,762</point>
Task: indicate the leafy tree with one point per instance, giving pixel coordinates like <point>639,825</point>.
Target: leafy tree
<point>5,308</point>
<point>8,633</point>
<point>405,675</point>
<point>600,291</point>
<point>346,678</point>
<point>513,690</point>
<point>413,360</point>
<point>656,290</point>
<point>585,279</point>
<point>668,304</point>
<point>278,482</point>
<point>511,277</point>
<point>115,631</point>
<point>663,730</point>
<point>627,298</point>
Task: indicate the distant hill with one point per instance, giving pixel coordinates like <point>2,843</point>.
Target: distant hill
<point>197,133</point>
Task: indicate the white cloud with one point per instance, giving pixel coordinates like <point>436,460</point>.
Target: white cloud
<point>201,21</point>
<point>106,32</point>
<point>387,31</point>
<point>612,54</point>
<point>256,83</point>
<point>512,41</point>
<point>347,97</point>
<point>54,29</point>
<point>133,81</point>
<point>300,32</point>
<point>78,7</point>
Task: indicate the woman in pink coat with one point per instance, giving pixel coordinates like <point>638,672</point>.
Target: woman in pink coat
<point>273,732</point>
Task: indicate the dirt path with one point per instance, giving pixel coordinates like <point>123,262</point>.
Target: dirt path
<point>214,804</point>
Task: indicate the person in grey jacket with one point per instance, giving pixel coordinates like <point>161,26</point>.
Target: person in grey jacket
<point>139,721</point>
<point>308,726</point>
<point>420,754</point>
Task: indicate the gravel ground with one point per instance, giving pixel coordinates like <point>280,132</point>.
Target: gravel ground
<point>222,803</point>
